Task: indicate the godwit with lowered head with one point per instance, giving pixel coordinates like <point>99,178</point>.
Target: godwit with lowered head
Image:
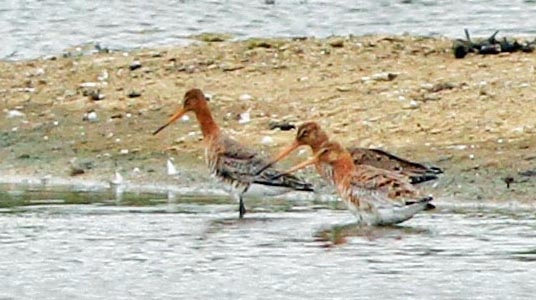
<point>375,196</point>
<point>310,134</point>
<point>230,161</point>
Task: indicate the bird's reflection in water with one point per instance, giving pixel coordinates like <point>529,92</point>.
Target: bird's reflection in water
<point>335,235</point>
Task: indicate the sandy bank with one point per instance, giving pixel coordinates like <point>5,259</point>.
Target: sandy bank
<point>475,117</point>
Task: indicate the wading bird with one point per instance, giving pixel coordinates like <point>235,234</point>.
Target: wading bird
<point>230,161</point>
<point>310,134</point>
<point>377,196</point>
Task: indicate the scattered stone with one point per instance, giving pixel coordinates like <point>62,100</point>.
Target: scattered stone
<point>283,125</point>
<point>89,84</point>
<point>39,72</point>
<point>96,95</point>
<point>135,65</point>
<point>244,117</point>
<point>264,43</point>
<point>171,170</point>
<point>384,76</point>
<point>134,94</point>
<point>441,86</point>
<point>11,114</point>
<point>245,97</point>
<point>90,116</point>
<point>76,171</point>
<point>118,179</point>
<point>211,37</point>
<point>123,151</point>
<point>103,76</point>
<point>412,105</point>
<point>343,88</point>
<point>230,67</point>
<point>116,116</point>
<point>185,118</point>
<point>267,140</point>
<point>336,42</point>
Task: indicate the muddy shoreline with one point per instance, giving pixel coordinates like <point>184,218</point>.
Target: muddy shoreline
<point>475,117</point>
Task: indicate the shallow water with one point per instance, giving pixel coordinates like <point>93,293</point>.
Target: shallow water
<point>56,245</point>
<point>33,27</point>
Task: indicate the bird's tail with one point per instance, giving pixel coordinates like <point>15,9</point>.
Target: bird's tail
<point>426,200</point>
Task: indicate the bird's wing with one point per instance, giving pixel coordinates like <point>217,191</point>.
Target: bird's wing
<point>382,187</point>
<point>241,163</point>
<point>384,160</point>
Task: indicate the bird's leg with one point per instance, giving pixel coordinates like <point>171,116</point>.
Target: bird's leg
<point>241,208</point>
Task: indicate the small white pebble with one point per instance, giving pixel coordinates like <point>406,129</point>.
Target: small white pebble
<point>471,156</point>
<point>128,115</point>
<point>245,117</point>
<point>267,140</point>
<point>118,140</point>
<point>92,116</point>
<point>124,151</point>
<point>110,135</point>
<point>118,179</point>
<point>56,123</point>
<point>88,84</point>
<point>414,104</point>
<point>14,129</point>
<point>15,114</point>
<point>245,97</point>
<point>103,76</point>
<point>45,138</point>
<point>185,118</point>
<point>170,167</point>
<point>500,141</point>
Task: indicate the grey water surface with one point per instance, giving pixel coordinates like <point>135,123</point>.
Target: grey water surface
<point>96,246</point>
<point>32,28</point>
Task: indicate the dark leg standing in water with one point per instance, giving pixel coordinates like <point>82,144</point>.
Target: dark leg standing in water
<point>241,208</point>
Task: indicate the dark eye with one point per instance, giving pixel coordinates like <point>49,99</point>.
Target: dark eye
<point>304,133</point>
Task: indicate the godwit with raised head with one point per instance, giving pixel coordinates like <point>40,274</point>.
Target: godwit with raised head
<point>310,134</point>
<point>375,196</point>
<point>230,161</point>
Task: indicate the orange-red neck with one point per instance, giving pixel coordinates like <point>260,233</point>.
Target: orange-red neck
<point>343,167</point>
<point>207,123</point>
<point>319,143</point>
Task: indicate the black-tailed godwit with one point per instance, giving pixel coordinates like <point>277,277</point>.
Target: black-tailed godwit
<point>229,160</point>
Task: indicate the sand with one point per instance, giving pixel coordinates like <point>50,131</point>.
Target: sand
<point>474,117</point>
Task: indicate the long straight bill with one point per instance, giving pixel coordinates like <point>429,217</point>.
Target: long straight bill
<point>311,161</point>
<point>285,152</point>
<point>173,118</point>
